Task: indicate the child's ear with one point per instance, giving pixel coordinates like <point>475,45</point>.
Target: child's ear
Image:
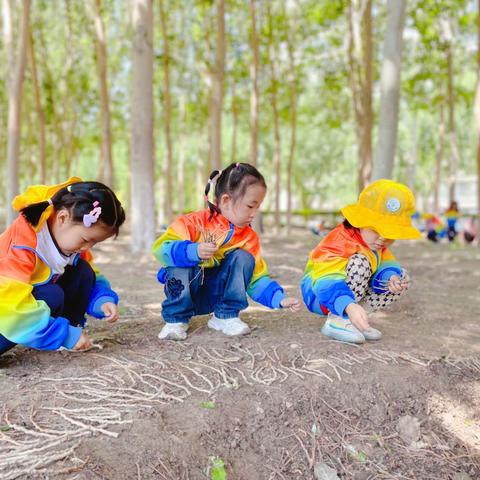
<point>225,199</point>
<point>63,216</point>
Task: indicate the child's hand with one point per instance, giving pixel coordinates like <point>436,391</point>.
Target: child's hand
<point>291,303</point>
<point>397,284</point>
<point>83,343</point>
<point>110,311</point>
<point>358,316</point>
<point>206,250</point>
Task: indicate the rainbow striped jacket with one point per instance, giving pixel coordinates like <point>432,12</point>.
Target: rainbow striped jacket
<point>23,319</point>
<point>324,286</point>
<point>178,247</point>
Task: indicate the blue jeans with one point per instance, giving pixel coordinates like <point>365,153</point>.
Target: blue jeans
<point>68,297</point>
<point>222,289</point>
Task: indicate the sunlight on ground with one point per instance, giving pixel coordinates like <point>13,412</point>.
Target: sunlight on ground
<point>457,419</point>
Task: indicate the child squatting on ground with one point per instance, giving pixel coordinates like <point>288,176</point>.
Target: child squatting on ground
<point>211,258</point>
<point>352,271</point>
<point>47,281</point>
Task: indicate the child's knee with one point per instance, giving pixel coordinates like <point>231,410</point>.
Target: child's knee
<point>85,271</point>
<point>358,269</point>
<point>359,264</point>
<point>177,282</point>
<point>242,259</point>
<point>53,295</point>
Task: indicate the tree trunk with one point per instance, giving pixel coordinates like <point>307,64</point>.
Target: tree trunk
<point>439,161</point>
<point>106,161</point>
<point>390,90</point>
<point>360,58</point>
<point>42,156</point>
<point>365,173</point>
<point>168,207</point>
<point>412,158</point>
<point>293,121</point>
<point>452,135</point>
<point>254,96</point>
<point>216,104</point>
<point>477,118</point>
<point>142,161</point>
<point>182,149</point>
<point>233,154</point>
<point>14,106</point>
<point>276,122</point>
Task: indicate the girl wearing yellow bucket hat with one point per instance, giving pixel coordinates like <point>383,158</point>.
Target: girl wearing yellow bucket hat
<point>352,270</point>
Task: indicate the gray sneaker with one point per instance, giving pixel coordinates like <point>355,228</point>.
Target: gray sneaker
<point>372,334</point>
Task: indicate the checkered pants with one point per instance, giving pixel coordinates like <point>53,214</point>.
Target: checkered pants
<point>359,275</point>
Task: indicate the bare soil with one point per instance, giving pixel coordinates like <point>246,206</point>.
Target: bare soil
<point>274,405</point>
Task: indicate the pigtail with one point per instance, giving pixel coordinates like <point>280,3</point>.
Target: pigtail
<point>33,212</point>
<point>211,206</point>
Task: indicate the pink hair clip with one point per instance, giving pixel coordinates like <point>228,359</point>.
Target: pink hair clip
<point>92,216</point>
<point>237,165</point>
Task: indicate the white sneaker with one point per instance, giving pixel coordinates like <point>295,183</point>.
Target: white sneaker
<point>229,326</point>
<point>174,331</point>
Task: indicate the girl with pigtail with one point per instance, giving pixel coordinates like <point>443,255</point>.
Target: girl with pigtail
<point>47,280</point>
<point>211,259</point>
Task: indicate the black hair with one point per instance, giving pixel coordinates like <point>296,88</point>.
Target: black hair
<point>348,225</point>
<point>78,199</point>
<point>233,181</point>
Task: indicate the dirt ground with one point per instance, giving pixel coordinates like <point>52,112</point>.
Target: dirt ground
<point>281,403</point>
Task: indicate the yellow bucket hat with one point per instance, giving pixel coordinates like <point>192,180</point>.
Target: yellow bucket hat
<point>386,207</point>
<point>40,193</point>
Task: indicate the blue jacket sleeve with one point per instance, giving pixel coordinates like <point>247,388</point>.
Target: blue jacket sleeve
<point>382,275</point>
<point>334,294</point>
<point>57,333</point>
<point>267,292</point>
<point>101,293</point>
<point>180,253</point>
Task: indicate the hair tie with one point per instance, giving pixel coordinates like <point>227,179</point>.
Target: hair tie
<point>237,165</point>
<point>92,216</point>
<point>50,202</point>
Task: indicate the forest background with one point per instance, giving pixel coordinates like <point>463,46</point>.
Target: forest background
<point>323,96</point>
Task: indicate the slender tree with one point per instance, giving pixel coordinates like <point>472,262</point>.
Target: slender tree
<point>390,90</point>
<point>447,36</point>
<point>439,154</point>
<point>292,82</point>
<point>42,153</point>
<point>142,147</point>
<point>234,107</point>
<point>216,103</point>
<point>167,105</point>
<point>15,88</point>
<point>254,95</point>
<point>106,160</point>
<point>277,146</point>
<point>360,59</point>
<point>477,116</point>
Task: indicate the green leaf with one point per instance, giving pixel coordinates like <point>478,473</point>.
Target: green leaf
<point>218,469</point>
<point>210,405</point>
<point>5,428</point>
<point>361,456</point>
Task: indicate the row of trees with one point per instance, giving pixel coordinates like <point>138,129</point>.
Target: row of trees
<point>150,95</point>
